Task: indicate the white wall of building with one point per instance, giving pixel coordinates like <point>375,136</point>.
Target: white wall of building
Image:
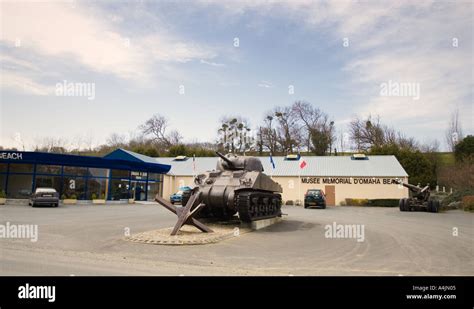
<point>294,187</point>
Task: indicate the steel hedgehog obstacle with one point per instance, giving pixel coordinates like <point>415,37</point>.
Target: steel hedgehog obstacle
<point>237,185</point>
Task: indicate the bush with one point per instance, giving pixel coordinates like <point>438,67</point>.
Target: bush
<point>342,203</point>
<point>421,167</point>
<point>63,197</point>
<point>94,196</point>
<point>468,203</point>
<point>289,202</point>
<point>356,202</point>
<point>73,197</point>
<point>457,196</point>
<point>464,150</point>
<point>3,194</point>
<point>457,176</point>
<point>388,202</point>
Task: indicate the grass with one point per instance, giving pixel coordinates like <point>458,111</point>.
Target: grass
<point>445,159</point>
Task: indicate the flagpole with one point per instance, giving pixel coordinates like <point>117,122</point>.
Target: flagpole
<point>299,175</point>
<point>299,184</point>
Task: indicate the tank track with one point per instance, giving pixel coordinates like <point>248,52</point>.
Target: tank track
<point>256,205</point>
<point>251,205</point>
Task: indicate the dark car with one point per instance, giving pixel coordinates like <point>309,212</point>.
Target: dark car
<point>44,196</point>
<point>178,196</point>
<point>315,198</point>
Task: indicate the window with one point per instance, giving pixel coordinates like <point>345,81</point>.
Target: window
<point>48,182</point>
<point>96,188</point>
<point>154,188</point>
<point>21,168</point>
<point>98,172</point>
<point>3,167</point>
<point>19,186</point>
<point>74,187</point>
<point>75,170</point>
<point>155,176</point>
<point>3,179</point>
<point>48,169</point>
<point>120,174</point>
<point>138,190</point>
<point>120,189</point>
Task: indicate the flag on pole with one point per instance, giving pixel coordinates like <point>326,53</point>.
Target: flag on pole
<point>272,162</point>
<point>302,163</point>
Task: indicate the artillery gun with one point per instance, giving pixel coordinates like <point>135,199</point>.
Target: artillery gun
<point>420,199</point>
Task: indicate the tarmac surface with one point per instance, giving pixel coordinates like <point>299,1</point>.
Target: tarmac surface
<point>89,240</point>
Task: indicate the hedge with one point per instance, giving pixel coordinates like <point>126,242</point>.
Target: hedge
<point>468,203</point>
<point>357,201</point>
<point>372,202</point>
<point>388,202</point>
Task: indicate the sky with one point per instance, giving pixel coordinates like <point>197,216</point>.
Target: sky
<point>197,61</point>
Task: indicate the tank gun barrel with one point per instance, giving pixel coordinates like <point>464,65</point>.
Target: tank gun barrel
<point>223,157</point>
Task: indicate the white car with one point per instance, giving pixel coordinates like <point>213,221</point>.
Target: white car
<point>44,196</point>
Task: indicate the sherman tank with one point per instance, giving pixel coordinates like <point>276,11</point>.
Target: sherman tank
<point>237,185</point>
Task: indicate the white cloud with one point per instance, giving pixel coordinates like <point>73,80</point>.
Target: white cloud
<point>71,33</point>
<point>214,64</point>
<point>265,84</point>
<point>404,41</point>
<point>25,84</point>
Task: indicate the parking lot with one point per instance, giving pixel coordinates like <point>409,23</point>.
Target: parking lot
<point>88,240</point>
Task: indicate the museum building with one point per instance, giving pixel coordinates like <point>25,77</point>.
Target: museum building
<point>340,177</point>
<point>124,175</point>
<point>119,175</point>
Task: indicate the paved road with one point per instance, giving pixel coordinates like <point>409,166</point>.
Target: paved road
<point>88,240</point>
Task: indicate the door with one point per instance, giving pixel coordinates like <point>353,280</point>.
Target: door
<point>138,190</point>
<point>330,195</point>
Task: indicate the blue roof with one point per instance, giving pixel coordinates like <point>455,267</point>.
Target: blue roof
<point>118,159</point>
<point>122,154</point>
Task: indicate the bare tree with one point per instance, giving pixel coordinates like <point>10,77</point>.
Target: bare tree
<point>116,140</point>
<point>310,117</point>
<point>342,144</point>
<point>369,133</point>
<point>323,136</point>
<point>454,132</point>
<point>235,134</point>
<point>268,135</point>
<point>430,146</point>
<point>50,144</point>
<point>157,126</point>
<point>288,132</point>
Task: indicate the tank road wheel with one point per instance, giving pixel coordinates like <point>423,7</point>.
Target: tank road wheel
<point>255,205</point>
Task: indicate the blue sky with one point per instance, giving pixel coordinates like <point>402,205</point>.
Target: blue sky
<point>139,53</point>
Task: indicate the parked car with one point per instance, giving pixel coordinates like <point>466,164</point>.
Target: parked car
<point>315,198</point>
<point>178,196</point>
<point>44,196</point>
